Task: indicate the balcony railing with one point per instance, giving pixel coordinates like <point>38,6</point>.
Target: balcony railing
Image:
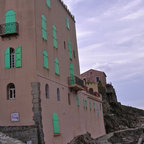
<point>9,29</point>
<point>75,83</point>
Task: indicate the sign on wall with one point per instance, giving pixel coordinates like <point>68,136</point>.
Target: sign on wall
<point>15,117</point>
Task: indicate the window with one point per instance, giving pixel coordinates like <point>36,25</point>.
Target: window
<point>47,91</point>
<point>74,54</point>
<point>69,49</point>
<point>86,104</point>
<point>77,101</point>
<point>10,21</point>
<point>90,105</point>
<point>67,23</point>
<point>83,103</point>
<point>10,91</point>
<point>44,27</point>
<point>56,124</point>
<point>69,100</point>
<point>94,105</point>
<point>13,58</point>
<point>64,45</point>
<point>97,79</point>
<point>56,66</point>
<point>91,91</point>
<point>97,109</point>
<point>58,94</point>
<point>48,3</point>
<point>54,37</point>
<point>72,79</point>
<point>45,59</point>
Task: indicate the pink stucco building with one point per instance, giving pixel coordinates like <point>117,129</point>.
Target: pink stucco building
<point>42,98</point>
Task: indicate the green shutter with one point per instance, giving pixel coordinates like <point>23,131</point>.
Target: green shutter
<point>10,21</point>
<point>7,58</point>
<point>18,59</point>
<point>48,3</point>
<point>45,59</point>
<point>54,37</point>
<point>56,66</point>
<point>77,101</point>
<point>86,104</point>
<point>44,27</point>
<point>72,79</point>
<point>69,48</point>
<point>90,104</point>
<point>56,124</point>
<point>67,23</point>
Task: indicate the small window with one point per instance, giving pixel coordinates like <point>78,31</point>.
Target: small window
<point>47,91</point>
<point>58,94</point>
<point>69,99</point>
<point>97,79</point>
<point>64,45</point>
<point>91,91</point>
<point>10,91</point>
<point>12,58</point>
<point>90,105</point>
<point>74,54</point>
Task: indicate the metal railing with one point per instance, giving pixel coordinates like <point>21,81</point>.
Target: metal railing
<point>9,29</point>
<point>72,80</point>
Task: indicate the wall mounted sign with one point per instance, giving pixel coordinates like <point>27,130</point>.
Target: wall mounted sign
<point>15,117</point>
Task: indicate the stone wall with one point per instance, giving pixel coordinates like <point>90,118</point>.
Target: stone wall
<point>23,133</point>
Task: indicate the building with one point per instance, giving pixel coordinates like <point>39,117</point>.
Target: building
<point>42,96</point>
<point>94,76</point>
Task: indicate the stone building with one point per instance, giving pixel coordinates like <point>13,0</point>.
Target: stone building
<point>42,98</point>
<point>94,76</point>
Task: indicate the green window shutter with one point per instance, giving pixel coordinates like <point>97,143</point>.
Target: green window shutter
<point>94,105</point>
<point>48,3</point>
<point>56,124</point>
<point>97,110</point>
<point>56,66</point>
<point>90,105</point>
<point>10,18</point>
<point>86,104</point>
<point>72,79</point>
<point>44,27</point>
<point>67,23</point>
<point>77,101</point>
<point>45,59</point>
<point>18,57</point>
<point>69,48</point>
<point>54,37</point>
<point>7,58</point>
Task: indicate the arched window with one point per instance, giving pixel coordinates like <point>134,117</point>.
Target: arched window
<point>72,80</point>
<point>13,58</point>
<point>45,59</point>
<point>56,66</point>
<point>48,3</point>
<point>54,36</point>
<point>91,91</point>
<point>56,124</point>
<point>69,49</point>
<point>58,94</point>
<point>44,27</point>
<point>10,91</point>
<point>10,21</point>
<point>47,91</point>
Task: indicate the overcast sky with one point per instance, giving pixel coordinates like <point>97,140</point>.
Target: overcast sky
<point>110,36</point>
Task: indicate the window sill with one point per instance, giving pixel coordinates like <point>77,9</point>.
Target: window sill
<point>58,134</point>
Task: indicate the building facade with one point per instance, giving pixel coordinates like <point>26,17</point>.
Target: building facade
<point>94,76</point>
<point>42,96</point>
